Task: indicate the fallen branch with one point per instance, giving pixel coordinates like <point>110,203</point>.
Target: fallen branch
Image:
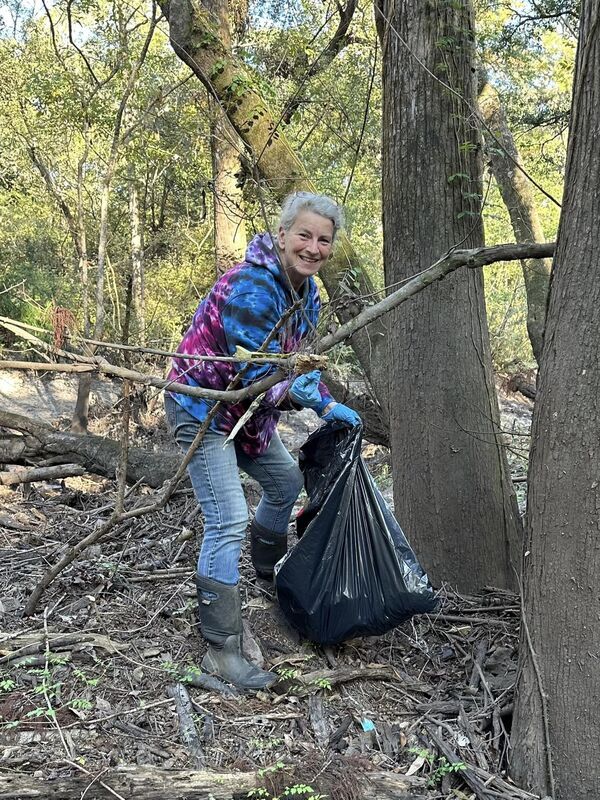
<point>41,474</point>
<point>309,681</point>
<point>477,257</point>
<point>451,261</point>
<point>484,784</point>
<point>119,516</point>
<point>187,726</point>
<point>30,644</point>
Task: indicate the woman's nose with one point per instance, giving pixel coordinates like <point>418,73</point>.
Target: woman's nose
<point>313,246</point>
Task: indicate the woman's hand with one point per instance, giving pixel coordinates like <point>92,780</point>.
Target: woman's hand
<point>305,390</point>
<point>344,414</point>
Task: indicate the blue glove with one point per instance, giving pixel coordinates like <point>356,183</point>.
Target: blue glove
<point>305,390</point>
<point>343,414</point>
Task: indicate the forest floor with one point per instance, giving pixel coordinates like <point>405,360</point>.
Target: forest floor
<point>93,699</point>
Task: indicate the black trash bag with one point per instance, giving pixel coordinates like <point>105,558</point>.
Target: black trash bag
<point>352,573</point>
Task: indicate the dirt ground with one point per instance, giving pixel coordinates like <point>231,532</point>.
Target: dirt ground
<point>87,684</point>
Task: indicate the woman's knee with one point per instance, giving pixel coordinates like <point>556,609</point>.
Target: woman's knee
<point>291,484</point>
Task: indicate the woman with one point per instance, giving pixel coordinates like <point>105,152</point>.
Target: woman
<point>243,308</point>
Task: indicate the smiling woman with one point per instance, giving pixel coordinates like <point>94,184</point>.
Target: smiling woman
<point>275,282</point>
<point>305,247</point>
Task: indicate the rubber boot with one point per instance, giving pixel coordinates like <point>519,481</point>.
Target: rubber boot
<point>221,626</point>
<point>266,548</point>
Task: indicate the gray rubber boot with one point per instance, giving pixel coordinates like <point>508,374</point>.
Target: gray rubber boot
<point>221,626</point>
<point>266,548</point>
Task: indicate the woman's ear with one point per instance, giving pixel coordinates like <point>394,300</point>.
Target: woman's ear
<point>281,237</point>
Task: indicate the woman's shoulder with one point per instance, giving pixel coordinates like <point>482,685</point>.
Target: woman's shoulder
<point>253,281</point>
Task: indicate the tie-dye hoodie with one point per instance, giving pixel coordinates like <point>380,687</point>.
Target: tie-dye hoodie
<point>242,308</point>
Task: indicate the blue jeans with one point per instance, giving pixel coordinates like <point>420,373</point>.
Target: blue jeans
<point>215,477</point>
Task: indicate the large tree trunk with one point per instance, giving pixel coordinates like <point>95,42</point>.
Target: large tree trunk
<point>195,37</point>
<point>452,491</point>
<point>517,194</point>
<point>558,692</point>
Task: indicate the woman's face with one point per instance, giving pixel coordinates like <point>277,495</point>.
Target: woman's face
<point>306,246</point>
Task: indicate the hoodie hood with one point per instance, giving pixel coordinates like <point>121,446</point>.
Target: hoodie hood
<point>262,252</point>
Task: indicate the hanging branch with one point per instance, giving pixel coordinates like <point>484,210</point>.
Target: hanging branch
<point>451,261</point>
<point>121,517</point>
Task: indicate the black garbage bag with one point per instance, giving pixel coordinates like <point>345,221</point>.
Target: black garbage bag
<point>353,572</point>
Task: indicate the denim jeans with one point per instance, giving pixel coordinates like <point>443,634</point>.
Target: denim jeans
<point>215,477</point>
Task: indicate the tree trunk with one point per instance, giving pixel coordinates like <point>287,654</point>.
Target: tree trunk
<point>195,37</point>
<point>452,490</point>
<point>136,223</point>
<point>518,197</point>
<point>96,453</point>
<point>558,691</point>
<point>228,201</point>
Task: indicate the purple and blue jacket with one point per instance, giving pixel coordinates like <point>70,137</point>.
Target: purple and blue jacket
<point>242,308</point>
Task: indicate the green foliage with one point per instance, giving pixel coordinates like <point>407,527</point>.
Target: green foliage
<point>53,107</point>
<point>439,765</point>
<point>56,685</point>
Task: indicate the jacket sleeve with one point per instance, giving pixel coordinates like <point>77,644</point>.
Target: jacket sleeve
<point>247,318</point>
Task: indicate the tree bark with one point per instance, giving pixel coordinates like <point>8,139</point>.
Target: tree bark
<point>518,197</point>
<point>136,221</point>
<point>195,38</point>
<point>152,783</point>
<point>452,490</point>
<point>40,474</point>
<point>228,202</point>
<point>96,453</point>
<point>558,690</point>
<point>225,145</point>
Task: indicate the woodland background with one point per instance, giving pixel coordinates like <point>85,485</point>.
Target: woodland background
<point>143,145</point>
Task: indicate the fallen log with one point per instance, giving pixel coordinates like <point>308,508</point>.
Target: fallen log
<point>97,454</point>
<point>152,783</point>
<point>519,383</point>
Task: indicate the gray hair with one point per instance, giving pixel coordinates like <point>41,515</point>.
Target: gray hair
<point>319,204</point>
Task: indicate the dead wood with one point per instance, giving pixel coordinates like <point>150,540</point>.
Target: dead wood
<point>96,453</point>
<point>519,383</point>
<point>311,681</point>
<point>28,644</point>
<point>152,783</point>
<point>15,477</point>
<point>467,774</point>
<point>187,726</point>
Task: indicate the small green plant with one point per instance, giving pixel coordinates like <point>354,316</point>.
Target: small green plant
<point>80,703</point>
<point>303,789</point>
<point>273,768</point>
<point>439,764</point>
<point>262,744</point>
<point>444,767</point>
<point>7,685</point>
<point>288,673</point>
<point>297,790</point>
<point>85,678</point>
